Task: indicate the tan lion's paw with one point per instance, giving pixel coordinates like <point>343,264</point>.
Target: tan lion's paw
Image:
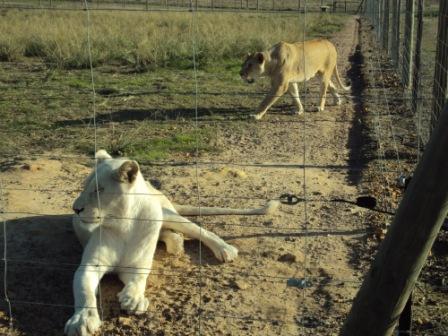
<point>84,322</point>
<point>133,300</point>
<point>256,116</point>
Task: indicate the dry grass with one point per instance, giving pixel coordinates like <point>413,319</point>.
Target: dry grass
<point>146,40</point>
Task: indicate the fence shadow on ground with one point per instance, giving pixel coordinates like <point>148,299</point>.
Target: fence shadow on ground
<point>359,140</point>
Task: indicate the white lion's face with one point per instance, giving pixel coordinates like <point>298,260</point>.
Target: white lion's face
<point>105,193</point>
<point>253,67</point>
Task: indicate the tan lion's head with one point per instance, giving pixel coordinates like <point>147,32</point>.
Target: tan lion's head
<point>253,67</point>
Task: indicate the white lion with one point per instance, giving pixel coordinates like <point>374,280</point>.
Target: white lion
<point>118,219</point>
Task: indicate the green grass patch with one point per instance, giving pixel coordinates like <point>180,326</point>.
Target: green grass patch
<point>145,41</point>
<point>136,145</point>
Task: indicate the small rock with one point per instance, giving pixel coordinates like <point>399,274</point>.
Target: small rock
<point>30,167</point>
<point>291,258</point>
<point>240,284</point>
<point>126,321</point>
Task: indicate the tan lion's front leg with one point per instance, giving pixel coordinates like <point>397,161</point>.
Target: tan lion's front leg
<point>294,92</point>
<point>277,90</point>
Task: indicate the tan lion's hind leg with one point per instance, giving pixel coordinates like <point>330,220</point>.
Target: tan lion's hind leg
<point>294,92</point>
<point>334,92</point>
<point>325,81</point>
<point>274,94</point>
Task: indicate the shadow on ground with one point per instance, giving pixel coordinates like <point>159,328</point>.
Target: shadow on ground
<point>161,115</point>
<point>359,139</point>
<point>42,256</point>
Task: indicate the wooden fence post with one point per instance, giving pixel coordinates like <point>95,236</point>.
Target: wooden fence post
<point>416,78</point>
<point>379,18</point>
<point>408,46</point>
<point>386,18</point>
<point>440,90</point>
<point>395,38</point>
<point>403,252</point>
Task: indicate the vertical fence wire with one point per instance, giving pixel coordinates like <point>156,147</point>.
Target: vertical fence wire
<point>98,265</point>
<point>304,149</point>
<point>194,37</point>
<point>5,263</point>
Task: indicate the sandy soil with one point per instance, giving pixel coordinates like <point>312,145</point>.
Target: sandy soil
<point>255,295</point>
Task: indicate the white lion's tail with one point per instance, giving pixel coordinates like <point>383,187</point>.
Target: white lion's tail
<point>187,210</point>
<point>338,79</point>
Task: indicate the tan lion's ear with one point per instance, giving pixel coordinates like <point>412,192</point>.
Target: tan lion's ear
<point>128,171</point>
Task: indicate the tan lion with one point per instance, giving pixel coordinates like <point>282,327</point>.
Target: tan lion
<point>287,64</point>
<point>118,218</point>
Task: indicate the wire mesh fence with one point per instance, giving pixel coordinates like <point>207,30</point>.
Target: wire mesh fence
<point>410,42</point>
<point>190,107</point>
<point>345,6</point>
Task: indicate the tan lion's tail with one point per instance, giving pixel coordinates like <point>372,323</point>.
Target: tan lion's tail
<point>338,79</point>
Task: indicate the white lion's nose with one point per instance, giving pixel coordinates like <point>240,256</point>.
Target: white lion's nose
<point>78,211</point>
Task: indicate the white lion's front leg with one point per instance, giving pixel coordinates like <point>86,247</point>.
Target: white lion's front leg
<point>223,251</point>
<point>132,297</point>
<point>135,268</point>
<point>85,321</point>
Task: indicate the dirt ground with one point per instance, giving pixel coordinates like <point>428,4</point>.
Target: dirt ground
<point>329,244</point>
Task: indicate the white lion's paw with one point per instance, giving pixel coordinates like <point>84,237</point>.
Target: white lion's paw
<point>298,111</point>
<point>226,253</point>
<point>132,300</point>
<point>84,322</point>
<point>319,109</point>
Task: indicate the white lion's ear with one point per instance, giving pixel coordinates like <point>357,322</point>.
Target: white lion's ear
<point>102,155</point>
<point>128,172</point>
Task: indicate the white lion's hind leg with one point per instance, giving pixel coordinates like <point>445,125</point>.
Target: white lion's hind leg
<point>174,241</point>
<point>223,251</point>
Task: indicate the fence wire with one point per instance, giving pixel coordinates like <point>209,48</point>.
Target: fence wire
<point>375,10</point>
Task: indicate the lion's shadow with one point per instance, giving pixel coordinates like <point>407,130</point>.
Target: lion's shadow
<point>42,254</point>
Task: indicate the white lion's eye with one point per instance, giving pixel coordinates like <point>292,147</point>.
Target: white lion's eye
<point>99,189</point>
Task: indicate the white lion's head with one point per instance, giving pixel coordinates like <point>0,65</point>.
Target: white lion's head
<point>106,190</point>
